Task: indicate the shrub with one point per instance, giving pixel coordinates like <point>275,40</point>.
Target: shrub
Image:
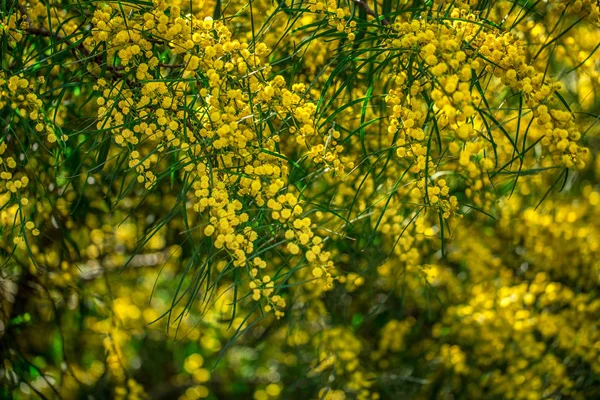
<point>299,199</point>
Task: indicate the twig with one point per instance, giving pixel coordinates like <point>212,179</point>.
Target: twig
<point>97,58</point>
<point>116,70</point>
<point>370,11</point>
<point>163,65</point>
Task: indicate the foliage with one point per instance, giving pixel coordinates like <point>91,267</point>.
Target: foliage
<point>299,199</point>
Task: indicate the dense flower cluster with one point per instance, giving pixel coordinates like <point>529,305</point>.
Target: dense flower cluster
<point>319,199</point>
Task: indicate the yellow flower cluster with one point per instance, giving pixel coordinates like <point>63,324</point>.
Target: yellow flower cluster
<point>19,95</point>
<point>335,16</point>
<point>126,388</point>
<point>339,351</point>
